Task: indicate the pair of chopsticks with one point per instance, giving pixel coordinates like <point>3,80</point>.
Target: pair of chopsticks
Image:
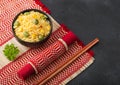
<point>84,49</point>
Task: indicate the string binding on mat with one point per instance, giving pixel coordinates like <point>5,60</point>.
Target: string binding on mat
<point>42,6</point>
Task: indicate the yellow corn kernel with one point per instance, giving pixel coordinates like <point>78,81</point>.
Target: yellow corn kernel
<point>20,19</point>
<point>48,28</point>
<point>35,16</point>
<point>34,36</point>
<point>42,32</point>
<point>20,30</point>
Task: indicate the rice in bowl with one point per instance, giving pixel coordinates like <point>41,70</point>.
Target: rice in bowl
<point>32,26</point>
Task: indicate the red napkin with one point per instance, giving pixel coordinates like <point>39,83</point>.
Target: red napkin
<point>48,55</point>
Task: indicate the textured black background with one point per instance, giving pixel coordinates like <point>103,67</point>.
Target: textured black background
<point>89,19</point>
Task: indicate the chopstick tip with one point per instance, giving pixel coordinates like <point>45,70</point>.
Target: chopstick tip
<point>97,39</point>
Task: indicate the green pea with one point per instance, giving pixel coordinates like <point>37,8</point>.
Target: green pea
<point>44,17</point>
<point>16,24</point>
<point>35,21</point>
<point>26,13</point>
<point>26,34</point>
<point>41,37</point>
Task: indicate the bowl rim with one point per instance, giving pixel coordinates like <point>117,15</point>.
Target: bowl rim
<point>36,10</point>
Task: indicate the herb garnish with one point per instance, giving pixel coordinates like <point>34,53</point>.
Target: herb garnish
<point>10,51</point>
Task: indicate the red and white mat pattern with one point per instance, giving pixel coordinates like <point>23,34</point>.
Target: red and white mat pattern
<point>50,54</point>
<point>8,74</point>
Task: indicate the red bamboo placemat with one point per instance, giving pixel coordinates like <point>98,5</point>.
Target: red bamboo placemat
<point>8,73</point>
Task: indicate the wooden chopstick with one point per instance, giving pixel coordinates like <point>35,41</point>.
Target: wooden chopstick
<point>84,49</point>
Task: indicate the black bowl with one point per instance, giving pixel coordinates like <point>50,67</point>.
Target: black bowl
<point>32,44</point>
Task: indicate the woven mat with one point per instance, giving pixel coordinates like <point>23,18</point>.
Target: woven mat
<point>9,69</point>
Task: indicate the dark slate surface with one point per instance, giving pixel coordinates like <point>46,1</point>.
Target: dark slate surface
<point>89,19</point>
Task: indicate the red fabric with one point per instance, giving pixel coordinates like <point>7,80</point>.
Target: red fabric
<point>39,2</point>
<point>51,53</point>
<point>46,9</point>
<point>26,71</point>
<point>65,27</point>
<point>70,38</point>
<point>43,59</point>
<point>48,55</point>
<point>43,6</point>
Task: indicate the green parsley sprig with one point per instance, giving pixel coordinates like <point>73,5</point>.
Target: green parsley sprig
<point>10,51</point>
